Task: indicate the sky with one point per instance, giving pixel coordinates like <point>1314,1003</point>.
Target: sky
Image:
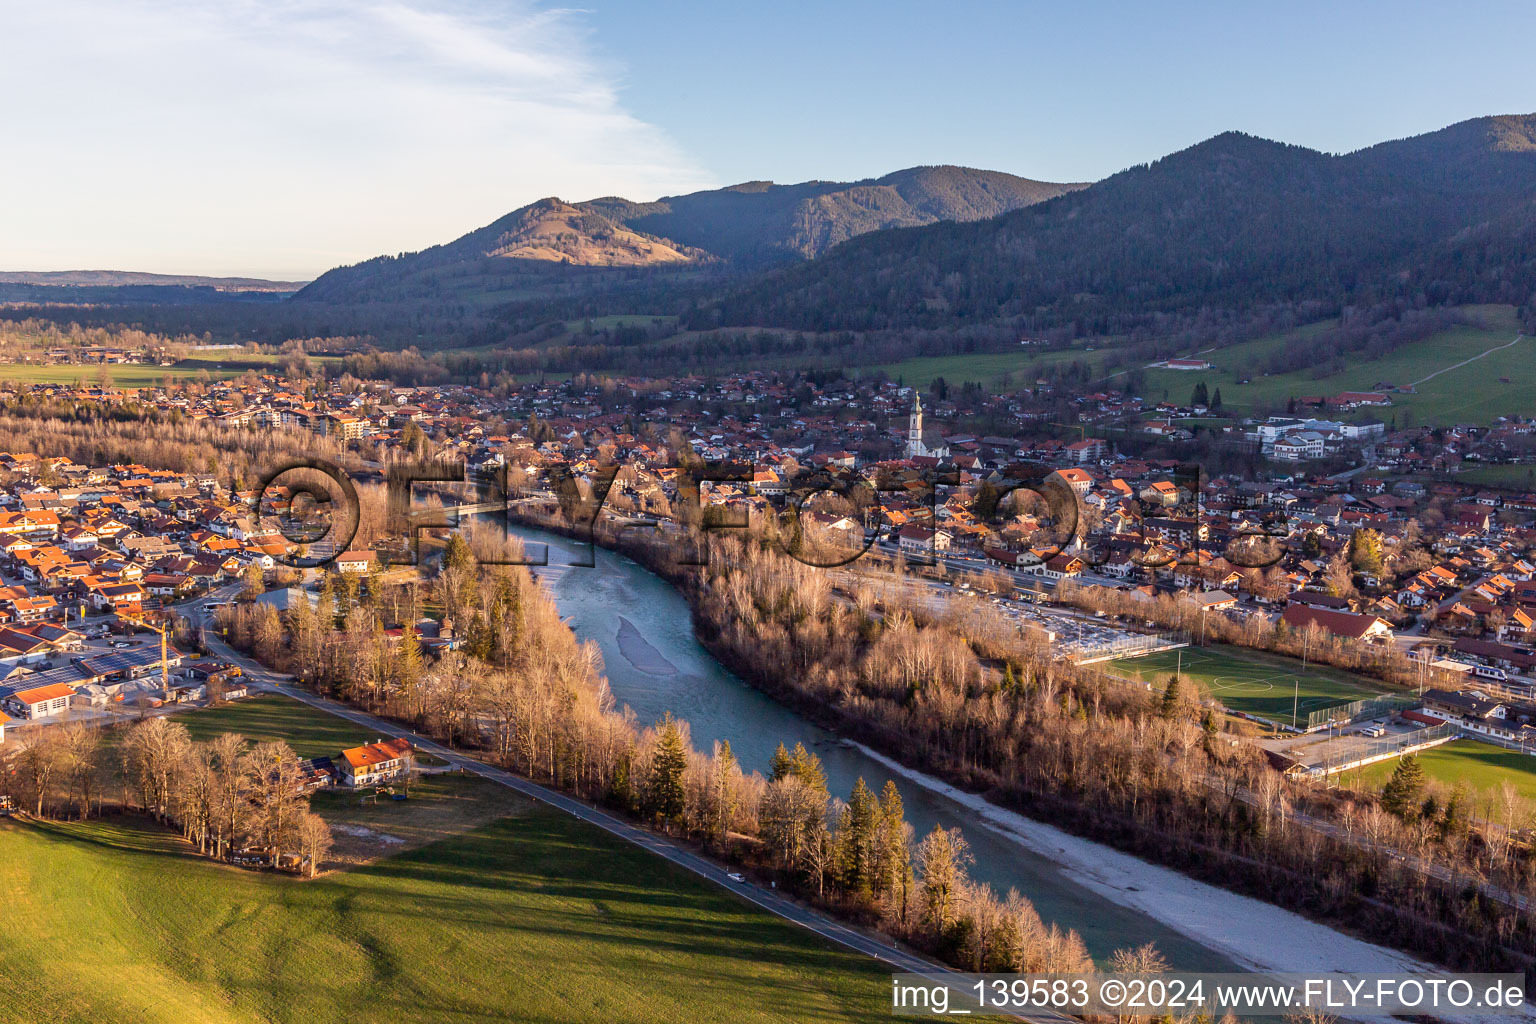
<point>278,138</point>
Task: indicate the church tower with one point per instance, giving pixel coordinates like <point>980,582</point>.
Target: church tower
<point>915,446</point>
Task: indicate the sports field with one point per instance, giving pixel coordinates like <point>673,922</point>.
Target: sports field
<point>1249,682</point>
<point>1483,766</point>
<point>535,917</point>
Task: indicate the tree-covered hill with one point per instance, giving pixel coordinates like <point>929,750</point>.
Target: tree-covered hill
<point>1233,222</point>
<point>739,228</point>
<point>758,221</point>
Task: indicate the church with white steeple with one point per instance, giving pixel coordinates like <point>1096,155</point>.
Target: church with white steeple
<point>916,446</point>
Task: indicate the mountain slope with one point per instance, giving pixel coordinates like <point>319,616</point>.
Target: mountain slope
<point>758,220</point>
<point>531,253</point>
<point>745,225</point>
<point>1233,222</point>
<point>556,232</point>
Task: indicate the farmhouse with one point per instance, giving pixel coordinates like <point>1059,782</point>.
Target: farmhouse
<point>1060,566</point>
<point>375,762</point>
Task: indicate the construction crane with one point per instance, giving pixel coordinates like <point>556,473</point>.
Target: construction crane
<point>165,670</point>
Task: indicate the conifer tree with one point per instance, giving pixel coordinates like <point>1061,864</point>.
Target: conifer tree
<point>1169,708</point>
<point>856,839</point>
<point>1400,796</point>
<point>665,795</point>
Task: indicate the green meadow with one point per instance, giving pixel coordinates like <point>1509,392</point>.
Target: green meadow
<point>1500,380</point>
<point>533,917</point>
<point>272,716</point>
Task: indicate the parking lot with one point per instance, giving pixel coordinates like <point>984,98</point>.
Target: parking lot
<point>1076,638</point>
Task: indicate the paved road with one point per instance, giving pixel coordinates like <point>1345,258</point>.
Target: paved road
<point>258,677</point>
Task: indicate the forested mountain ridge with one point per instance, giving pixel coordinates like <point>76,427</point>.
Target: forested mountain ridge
<point>1232,222</point>
<point>758,221</point>
<point>134,278</point>
<point>746,226</point>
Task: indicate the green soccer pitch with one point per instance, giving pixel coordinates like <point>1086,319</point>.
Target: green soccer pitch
<point>1265,685</point>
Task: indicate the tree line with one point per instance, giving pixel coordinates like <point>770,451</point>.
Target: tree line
<point>965,696</point>
<point>232,798</point>
<point>524,693</point>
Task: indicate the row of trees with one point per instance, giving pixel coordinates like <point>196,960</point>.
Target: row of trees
<point>227,795</point>
<point>964,696</point>
<point>523,690</point>
<point>94,434</point>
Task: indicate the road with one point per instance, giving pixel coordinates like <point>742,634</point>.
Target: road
<point>259,677</point>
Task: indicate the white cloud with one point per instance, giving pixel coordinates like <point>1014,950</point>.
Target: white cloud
<point>283,137</point>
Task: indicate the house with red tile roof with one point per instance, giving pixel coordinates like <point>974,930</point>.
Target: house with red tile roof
<point>376,762</point>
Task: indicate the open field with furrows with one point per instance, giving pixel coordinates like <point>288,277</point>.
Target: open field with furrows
<point>1484,767</point>
<point>533,917</point>
<point>1249,682</point>
<point>1472,393</point>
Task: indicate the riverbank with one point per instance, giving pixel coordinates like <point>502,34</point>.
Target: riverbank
<point>720,705</point>
<point>1259,936</point>
<point>1231,882</point>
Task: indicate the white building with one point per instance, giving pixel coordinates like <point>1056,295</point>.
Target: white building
<point>1299,446</point>
<point>40,701</point>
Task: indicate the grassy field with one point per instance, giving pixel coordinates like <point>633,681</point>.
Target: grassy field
<point>1520,477</point>
<point>271,716</point>
<point>1249,682</point>
<point>1468,394</point>
<point>239,362</point>
<point>134,375</point>
<point>123,376</point>
<point>535,917</point>
<point>440,806</point>
<point>1484,766</point>
<point>613,320</point>
<point>993,369</point>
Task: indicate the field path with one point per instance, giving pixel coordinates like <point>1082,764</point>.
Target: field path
<point>1464,362</point>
